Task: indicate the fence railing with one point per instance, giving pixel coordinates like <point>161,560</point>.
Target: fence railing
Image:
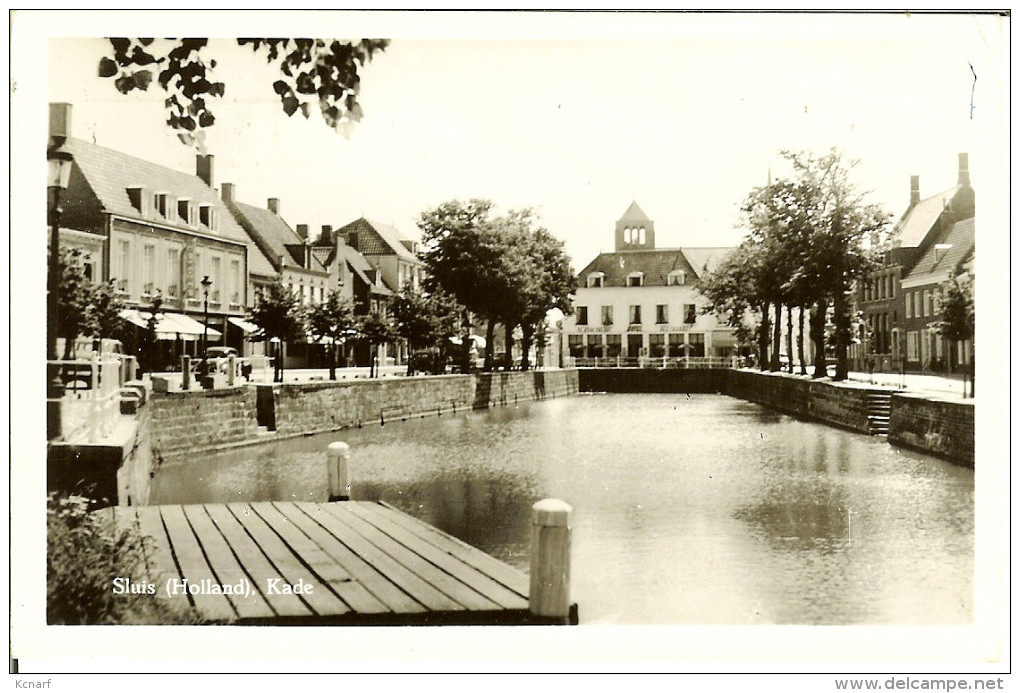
<point>653,362</point>
<point>90,402</point>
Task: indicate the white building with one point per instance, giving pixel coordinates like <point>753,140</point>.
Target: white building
<point>643,301</point>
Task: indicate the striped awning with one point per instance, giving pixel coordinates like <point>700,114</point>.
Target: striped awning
<point>169,325</point>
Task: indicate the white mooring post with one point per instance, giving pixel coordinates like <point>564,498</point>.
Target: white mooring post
<point>549,595</point>
<point>338,457</point>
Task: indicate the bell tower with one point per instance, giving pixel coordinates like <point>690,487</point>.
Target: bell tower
<point>634,230</point>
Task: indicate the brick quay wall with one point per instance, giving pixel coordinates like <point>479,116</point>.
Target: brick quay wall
<point>187,422</point>
<point>938,426</point>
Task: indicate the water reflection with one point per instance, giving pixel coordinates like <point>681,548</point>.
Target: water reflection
<point>687,509</point>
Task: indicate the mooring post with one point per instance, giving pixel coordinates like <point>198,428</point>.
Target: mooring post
<point>549,594</point>
<point>231,368</point>
<point>338,457</point>
<point>185,372</point>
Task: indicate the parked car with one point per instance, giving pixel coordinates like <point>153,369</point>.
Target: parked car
<point>218,358</point>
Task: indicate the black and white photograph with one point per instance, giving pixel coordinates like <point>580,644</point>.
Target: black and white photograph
<point>512,342</point>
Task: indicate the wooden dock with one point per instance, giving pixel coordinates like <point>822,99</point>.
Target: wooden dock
<point>351,562</point>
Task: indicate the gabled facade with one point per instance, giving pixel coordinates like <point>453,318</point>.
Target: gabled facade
<point>882,343</point>
<point>154,231</point>
<point>950,256</point>
<point>387,250</point>
<point>643,302</point>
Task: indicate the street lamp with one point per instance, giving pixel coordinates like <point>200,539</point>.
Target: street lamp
<point>206,283</point>
<point>59,175</point>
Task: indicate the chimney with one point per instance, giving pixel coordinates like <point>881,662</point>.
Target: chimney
<point>227,193</point>
<point>274,205</point>
<point>204,168</point>
<point>326,236</point>
<point>964,181</point>
<point>915,190</point>
<point>60,123</point>
<point>302,230</point>
<point>308,254</point>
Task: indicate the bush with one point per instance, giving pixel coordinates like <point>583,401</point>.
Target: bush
<point>83,556</point>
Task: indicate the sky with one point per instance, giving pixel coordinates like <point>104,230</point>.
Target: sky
<point>573,115</point>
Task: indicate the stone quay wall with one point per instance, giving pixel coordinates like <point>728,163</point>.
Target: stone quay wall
<point>679,380</point>
<point>937,426</point>
<point>187,422</point>
<point>183,422</point>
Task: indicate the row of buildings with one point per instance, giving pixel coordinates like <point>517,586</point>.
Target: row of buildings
<point>640,301</point>
<point>155,231</point>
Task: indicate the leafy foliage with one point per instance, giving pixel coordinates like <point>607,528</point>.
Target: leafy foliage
<point>278,315</point>
<point>83,556</point>
<point>957,318</point>
<point>320,73</point>
<point>425,321</point>
<point>332,319</point>
<point>84,308</point>
<point>375,328</point>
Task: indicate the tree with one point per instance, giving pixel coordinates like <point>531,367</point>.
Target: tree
<point>149,337</point>
<point>734,290</point>
<point>75,297</point>
<point>957,316</point>
<point>105,306</point>
<point>332,320</point>
<point>424,320</point>
<point>375,328</point>
<point>319,73</point>
<point>278,315</point>
<point>464,254</point>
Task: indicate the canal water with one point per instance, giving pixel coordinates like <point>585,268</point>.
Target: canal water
<point>688,509</point>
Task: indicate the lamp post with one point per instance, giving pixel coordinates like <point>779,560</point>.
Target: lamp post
<point>206,283</point>
<point>59,174</point>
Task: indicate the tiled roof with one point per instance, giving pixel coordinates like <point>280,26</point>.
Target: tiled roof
<point>110,173</point>
<point>356,261</point>
<point>654,264</point>
<point>939,263</point>
<point>375,238</point>
<point>271,233</point>
<point>634,213</point>
<point>919,219</point>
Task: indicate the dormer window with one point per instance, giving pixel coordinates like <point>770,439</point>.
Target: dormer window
<point>207,216</point>
<point>163,204</point>
<point>187,212</point>
<point>677,278</point>
<point>636,279</point>
<point>596,280</point>
<point>139,197</point>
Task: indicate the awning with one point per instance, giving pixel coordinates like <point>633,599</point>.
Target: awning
<point>248,327</point>
<point>169,325</point>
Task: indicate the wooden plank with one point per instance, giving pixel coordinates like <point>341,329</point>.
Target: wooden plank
<point>389,567</point>
<point>411,560</point>
<point>193,565</point>
<point>322,599</point>
<point>496,569</point>
<point>470,576</point>
<point>159,556</point>
<point>229,571</point>
<point>246,547</point>
<point>342,569</point>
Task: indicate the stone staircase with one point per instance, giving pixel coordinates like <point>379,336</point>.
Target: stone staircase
<point>879,406</point>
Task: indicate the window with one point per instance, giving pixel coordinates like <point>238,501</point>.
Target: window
<point>690,313</point>
<point>635,315</point>
<point>187,212</point>
<point>575,344</point>
<point>917,304</point>
<point>139,197</point>
<point>912,346</point>
<point>148,269</point>
<point>173,264</point>
<point>661,314</point>
<point>626,235</point>
<point>676,344</point>
<point>607,315</point>
<point>614,345</point>
<point>641,236</point>
<point>123,265</point>
<point>217,281</point>
<point>595,280</point>
<point>581,315</point>
<point>677,278</point>
<point>207,215</point>
<point>636,279</point>
<point>656,345</point>
<point>696,344</point>
<point>924,302</point>
<point>909,305</point>
<point>235,282</point>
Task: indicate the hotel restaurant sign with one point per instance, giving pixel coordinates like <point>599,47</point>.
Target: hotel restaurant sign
<point>633,328</point>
